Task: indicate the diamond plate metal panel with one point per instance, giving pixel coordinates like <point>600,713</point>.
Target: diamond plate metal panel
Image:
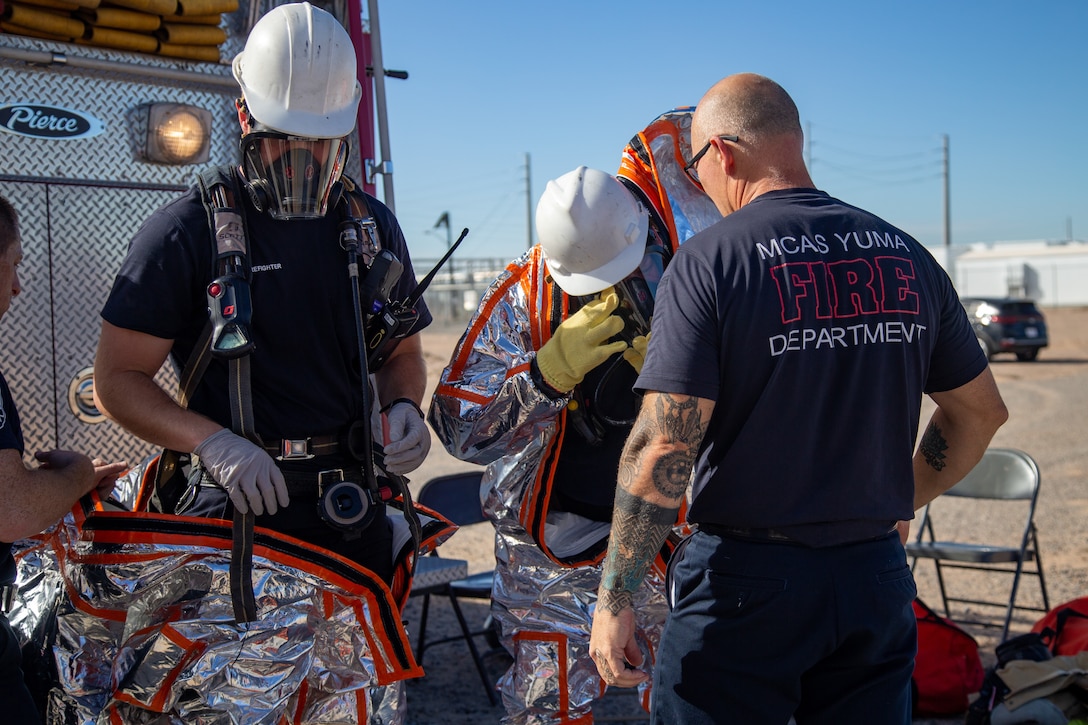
<point>73,241</point>
<point>90,229</point>
<point>26,331</point>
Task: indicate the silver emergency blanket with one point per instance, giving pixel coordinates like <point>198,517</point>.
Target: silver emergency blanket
<point>145,628</point>
<point>488,410</point>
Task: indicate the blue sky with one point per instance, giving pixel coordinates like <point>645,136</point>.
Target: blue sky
<point>877,83</point>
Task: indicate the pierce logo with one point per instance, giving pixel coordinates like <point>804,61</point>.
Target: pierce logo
<point>48,122</point>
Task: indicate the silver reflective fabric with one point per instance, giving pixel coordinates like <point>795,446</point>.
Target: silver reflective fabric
<point>654,160</point>
<point>145,629</point>
<point>546,612</point>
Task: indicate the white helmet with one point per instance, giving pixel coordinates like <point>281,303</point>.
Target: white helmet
<point>298,73</point>
<point>592,230</point>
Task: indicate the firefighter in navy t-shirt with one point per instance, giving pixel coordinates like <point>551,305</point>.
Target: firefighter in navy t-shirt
<point>304,386</point>
<point>792,343</point>
<point>32,499</point>
<point>288,430</point>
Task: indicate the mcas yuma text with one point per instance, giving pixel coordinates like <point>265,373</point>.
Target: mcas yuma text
<point>826,304</point>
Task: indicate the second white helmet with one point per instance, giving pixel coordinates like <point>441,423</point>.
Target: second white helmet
<point>592,230</point>
<point>298,73</point>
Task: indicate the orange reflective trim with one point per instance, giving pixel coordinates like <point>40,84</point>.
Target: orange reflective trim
<point>300,707</point>
<point>192,651</point>
<point>160,701</point>
<point>74,597</point>
<point>147,484</point>
<point>638,164</point>
<point>560,641</point>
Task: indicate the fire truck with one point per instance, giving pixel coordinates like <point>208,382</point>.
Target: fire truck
<point>99,126</point>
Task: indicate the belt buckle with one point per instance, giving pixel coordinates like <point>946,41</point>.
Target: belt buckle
<point>294,449</point>
<point>337,475</point>
<point>7,597</point>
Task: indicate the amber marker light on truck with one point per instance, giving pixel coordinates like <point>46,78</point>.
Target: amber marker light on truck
<point>178,134</point>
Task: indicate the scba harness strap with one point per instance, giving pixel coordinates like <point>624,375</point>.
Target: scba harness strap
<point>227,335</point>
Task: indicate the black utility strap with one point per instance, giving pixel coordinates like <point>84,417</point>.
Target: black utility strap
<point>230,244</point>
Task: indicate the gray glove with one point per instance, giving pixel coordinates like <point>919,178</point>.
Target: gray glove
<point>245,470</point>
<point>407,438</point>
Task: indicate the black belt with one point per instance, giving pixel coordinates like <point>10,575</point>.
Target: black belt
<point>742,532</point>
<point>768,534</point>
<point>300,449</point>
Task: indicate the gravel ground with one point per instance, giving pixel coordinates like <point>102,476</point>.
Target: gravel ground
<point>1048,404</point>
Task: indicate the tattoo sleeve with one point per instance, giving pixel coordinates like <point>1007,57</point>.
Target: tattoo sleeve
<point>653,477</point>
<point>932,447</point>
<point>639,529</point>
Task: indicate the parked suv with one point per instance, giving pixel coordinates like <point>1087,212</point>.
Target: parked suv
<point>1007,324</point>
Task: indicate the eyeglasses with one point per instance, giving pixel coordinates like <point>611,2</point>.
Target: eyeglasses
<point>691,170</point>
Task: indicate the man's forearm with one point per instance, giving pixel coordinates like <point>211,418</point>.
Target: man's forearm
<point>404,374</point>
<point>653,478</point>
<point>957,435</point>
<point>639,529</point>
<point>137,403</point>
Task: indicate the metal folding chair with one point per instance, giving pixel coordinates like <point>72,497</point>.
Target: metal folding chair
<point>1003,475</point>
<point>457,497</point>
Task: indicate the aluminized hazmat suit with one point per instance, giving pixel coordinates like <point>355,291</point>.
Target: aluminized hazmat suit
<point>135,612</point>
<point>488,409</point>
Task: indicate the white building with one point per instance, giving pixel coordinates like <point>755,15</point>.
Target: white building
<point>1054,274</point>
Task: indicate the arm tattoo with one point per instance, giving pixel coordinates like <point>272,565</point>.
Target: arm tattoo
<point>639,529</point>
<point>662,447</point>
<point>933,446</point>
<point>678,423</point>
<point>637,442</point>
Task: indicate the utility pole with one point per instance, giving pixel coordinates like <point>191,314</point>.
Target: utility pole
<point>947,199</point>
<point>528,203</point>
<point>444,220</point>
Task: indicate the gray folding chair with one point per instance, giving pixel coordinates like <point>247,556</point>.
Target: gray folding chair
<point>1008,477</point>
<point>457,497</point>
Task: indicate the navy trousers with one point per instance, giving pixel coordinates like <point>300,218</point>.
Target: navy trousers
<point>16,702</point>
<point>759,631</point>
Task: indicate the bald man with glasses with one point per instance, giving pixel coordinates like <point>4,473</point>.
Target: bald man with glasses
<point>792,344</point>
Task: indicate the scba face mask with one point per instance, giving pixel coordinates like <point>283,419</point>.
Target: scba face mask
<point>291,177</point>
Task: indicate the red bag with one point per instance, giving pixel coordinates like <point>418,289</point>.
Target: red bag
<point>947,668</point>
<point>1065,627</point>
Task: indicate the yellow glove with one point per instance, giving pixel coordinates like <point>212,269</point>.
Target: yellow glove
<point>636,354</point>
<point>580,343</point>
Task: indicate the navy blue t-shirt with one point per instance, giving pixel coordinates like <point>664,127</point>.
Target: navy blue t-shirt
<point>305,367</point>
<point>11,436</point>
<point>816,327</point>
